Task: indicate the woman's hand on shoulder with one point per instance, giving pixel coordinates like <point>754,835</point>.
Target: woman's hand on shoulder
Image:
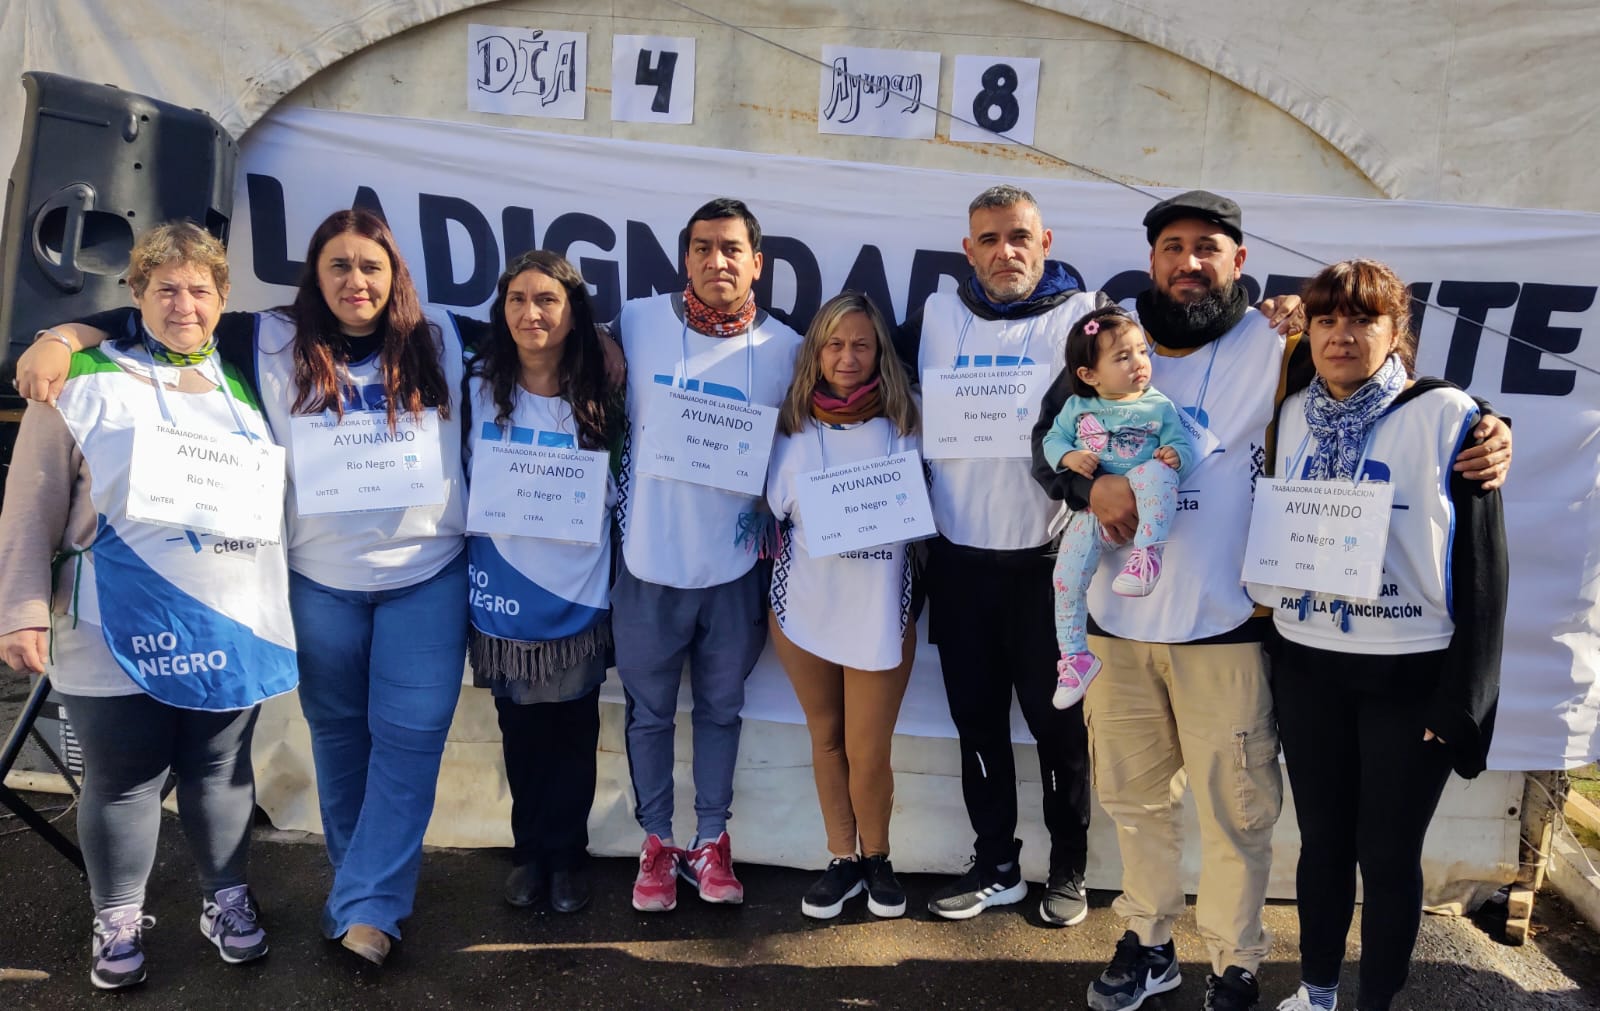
<point>1489,460</point>
<point>42,369</point>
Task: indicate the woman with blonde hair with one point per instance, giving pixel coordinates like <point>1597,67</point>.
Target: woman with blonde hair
<point>842,624</point>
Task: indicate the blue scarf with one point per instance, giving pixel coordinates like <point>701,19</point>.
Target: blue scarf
<point>1054,282</point>
<point>1340,427</point>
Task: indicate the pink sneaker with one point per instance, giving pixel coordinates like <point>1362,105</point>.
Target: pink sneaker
<point>709,867</point>
<point>1141,574</point>
<point>655,890</point>
<point>1074,672</point>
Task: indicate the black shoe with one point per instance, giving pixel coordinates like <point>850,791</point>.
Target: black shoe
<point>825,899</point>
<point>1135,973</point>
<point>885,897</point>
<point>977,890</point>
<point>524,885</point>
<point>569,890</point>
<point>1064,904</point>
<point>1235,990</point>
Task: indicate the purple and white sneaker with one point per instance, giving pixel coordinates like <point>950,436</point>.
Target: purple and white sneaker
<point>117,948</point>
<point>230,920</point>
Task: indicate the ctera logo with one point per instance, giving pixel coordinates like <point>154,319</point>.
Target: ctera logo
<point>190,536</point>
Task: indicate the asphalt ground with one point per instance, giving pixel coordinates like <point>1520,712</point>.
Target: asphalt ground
<point>465,948</point>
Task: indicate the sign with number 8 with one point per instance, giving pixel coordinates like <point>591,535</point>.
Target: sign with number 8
<point>997,96</point>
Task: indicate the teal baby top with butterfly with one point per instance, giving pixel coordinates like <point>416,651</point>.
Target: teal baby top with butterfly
<point>1125,433</point>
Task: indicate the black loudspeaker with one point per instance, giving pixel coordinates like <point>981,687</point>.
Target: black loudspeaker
<point>96,166</point>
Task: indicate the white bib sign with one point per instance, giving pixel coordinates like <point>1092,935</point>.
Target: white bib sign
<point>1205,441</point>
<point>981,413</point>
<point>864,504</point>
<point>222,485</point>
<point>355,464</point>
<point>706,440</point>
<point>536,491</point>
<point>1324,536</point>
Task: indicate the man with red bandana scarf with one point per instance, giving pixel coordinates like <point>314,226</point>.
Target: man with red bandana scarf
<point>689,588</point>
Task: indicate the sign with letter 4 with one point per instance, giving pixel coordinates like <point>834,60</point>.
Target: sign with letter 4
<point>652,79</point>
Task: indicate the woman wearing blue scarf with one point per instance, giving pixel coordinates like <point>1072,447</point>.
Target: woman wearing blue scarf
<point>1378,700</point>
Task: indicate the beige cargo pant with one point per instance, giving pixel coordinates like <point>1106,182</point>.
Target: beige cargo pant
<point>1164,716</point>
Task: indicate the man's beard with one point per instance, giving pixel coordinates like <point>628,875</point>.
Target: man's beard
<point>1200,314</point>
<point>1019,289</point>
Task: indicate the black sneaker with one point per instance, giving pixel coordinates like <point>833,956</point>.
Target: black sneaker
<point>1135,973</point>
<point>1235,990</point>
<point>977,890</point>
<point>1063,904</point>
<point>885,897</point>
<point>841,881</point>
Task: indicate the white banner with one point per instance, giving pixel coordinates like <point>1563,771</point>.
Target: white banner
<point>896,233</point>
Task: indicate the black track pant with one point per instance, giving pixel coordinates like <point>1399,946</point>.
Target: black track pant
<point>992,616</point>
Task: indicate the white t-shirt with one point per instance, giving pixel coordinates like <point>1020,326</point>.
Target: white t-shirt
<point>994,504</point>
<point>559,588</point>
<point>1231,384</point>
<point>367,550</point>
<point>675,533</point>
<point>850,609</point>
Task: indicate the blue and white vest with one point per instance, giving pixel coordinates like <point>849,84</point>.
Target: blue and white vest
<point>196,621</point>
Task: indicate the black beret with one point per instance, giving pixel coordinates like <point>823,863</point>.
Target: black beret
<point>1194,204</point>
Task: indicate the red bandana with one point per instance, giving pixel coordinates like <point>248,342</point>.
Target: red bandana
<point>714,322</point>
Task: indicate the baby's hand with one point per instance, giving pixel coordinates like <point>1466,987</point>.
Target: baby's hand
<point>1168,456</point>
<point>1081,461</point>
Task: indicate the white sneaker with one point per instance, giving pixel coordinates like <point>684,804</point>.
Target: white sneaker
<point>1301,1001</point>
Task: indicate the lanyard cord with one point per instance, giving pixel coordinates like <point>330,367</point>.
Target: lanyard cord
<point>1027,340</point>
<point>822,448</point>
<point>749,359</point>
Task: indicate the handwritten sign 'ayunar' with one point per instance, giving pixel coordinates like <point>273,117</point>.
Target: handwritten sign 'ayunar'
<point>526,71</point>
<point>878,92</point>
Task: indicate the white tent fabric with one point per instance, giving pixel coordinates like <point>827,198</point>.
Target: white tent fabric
<point>1478,101</point>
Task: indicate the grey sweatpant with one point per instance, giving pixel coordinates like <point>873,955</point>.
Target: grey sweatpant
<point>129,744</point>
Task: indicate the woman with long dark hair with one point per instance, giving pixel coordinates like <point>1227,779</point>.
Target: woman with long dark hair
<point>541,595</point>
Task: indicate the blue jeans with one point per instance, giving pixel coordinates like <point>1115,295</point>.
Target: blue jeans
<point>380,673</point>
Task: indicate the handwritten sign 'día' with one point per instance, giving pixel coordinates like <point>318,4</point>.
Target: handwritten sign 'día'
<point>878,92</point>
<point>526,71</point>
